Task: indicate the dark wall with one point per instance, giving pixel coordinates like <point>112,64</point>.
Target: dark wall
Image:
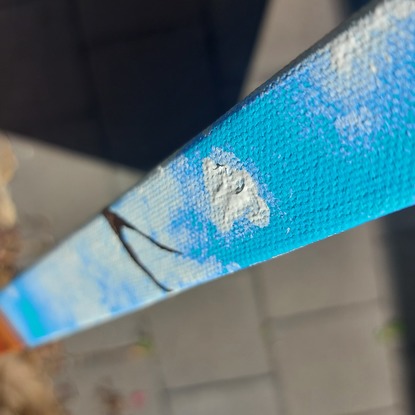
<point>355,5</point>
<point>129,80</point>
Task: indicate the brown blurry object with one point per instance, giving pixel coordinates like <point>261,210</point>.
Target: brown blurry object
<point>8,215</point>
<point>25,386</point>
<point>9,234</point>
<point>8,165</point>
<point>25,383</point>
<point>8,162</point>
<point>10,245</point>
<point>9,339</point>
<point>111,398</point>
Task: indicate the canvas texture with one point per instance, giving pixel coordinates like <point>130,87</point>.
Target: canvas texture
<point>324,146</point>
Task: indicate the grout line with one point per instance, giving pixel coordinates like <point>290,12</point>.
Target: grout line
<point>219,383</point>
<point>304,316</point>
<point>166,408</point>
<point>389,302</point>
<point>257,289</point>
<point>373,411</point>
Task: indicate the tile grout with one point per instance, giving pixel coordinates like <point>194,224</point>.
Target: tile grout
<point>219,382</point>
<point>372,411</point>
<point>305,316</point>
<point>166,407</point>
<point>260,302</point>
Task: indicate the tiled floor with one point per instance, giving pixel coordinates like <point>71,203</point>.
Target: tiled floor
<point>302,334</point>
<point>332,362</point>
<point>210,343</point>
<point>316,278</point>
<point>244,396</point>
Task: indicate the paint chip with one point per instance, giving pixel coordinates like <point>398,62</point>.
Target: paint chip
<point>233,195</point>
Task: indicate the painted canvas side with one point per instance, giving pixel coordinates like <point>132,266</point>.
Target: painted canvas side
<point>326,146</point>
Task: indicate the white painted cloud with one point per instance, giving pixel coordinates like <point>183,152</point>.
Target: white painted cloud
<point>233,195</point>
<point>367,34</point>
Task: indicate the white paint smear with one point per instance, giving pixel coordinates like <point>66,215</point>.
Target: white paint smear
<point>233,195</point>
<point>355,43</point>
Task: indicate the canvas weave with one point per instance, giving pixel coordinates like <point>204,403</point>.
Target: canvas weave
<point>322,147</point>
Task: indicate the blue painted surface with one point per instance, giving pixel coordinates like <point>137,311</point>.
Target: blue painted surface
<point>324,147</point>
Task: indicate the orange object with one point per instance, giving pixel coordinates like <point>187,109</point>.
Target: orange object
<point>9,339</point>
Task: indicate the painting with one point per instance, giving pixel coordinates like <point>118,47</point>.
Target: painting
<point>325,145</point>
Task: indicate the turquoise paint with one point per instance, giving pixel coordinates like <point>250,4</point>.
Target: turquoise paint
<point>328,144</point>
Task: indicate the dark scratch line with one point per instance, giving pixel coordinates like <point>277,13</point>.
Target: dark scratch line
<point>117,223</point>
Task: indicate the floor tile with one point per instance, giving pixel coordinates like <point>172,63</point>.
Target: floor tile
<point>210,333</point>
<point>127,330</point>
<point>329,273</point>
<point>333,363</point>
<point>107,382</point>
<point>239,397</point>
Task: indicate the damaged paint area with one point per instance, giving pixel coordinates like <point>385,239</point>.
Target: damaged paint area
<point>233,195</point>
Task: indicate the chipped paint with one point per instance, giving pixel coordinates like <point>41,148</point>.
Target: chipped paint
<point>233,195</point>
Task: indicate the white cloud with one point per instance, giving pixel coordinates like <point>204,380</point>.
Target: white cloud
<point>367,36</point>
